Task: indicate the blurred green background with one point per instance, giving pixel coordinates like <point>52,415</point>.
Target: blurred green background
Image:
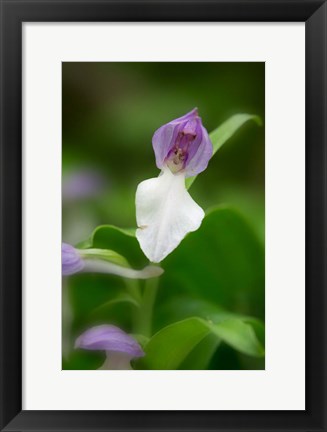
<point>109,114</point>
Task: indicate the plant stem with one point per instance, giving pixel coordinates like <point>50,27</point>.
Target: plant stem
<point>134,290</point>
<point>145,312</point>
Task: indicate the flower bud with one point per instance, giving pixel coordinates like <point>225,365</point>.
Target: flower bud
<point>120,347</point>
<point>71,261</point>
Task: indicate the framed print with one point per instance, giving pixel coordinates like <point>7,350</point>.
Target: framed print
<point>163,215</point>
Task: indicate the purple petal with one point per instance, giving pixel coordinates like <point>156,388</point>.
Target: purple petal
<point>202,154</point>
<point>162,142</point>
<point>189,116</point>
<point>71,262</point>
<point>183,144</point>
<point>109,338</point>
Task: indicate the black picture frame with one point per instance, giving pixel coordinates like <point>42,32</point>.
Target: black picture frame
<point>13,14</point>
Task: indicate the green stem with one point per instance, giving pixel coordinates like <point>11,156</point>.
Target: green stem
<point>145,312</point>
<point>133,289</point>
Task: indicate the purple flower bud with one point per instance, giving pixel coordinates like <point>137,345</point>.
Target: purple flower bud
<point>71,261</point>
<point>109,338</point>
<point>119,346</point>
<point>183,145</point>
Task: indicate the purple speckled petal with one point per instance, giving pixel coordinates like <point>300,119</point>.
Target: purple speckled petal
<point>109,338</point>
<point>71,262</point>
<point>183,144</point>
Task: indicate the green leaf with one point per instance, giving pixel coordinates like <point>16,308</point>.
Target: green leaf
<point>199,358</point>
<point>182,307</point>
<point>130,232</point>
<point>239,335</point>
<point>106,255</point>
<point>225,131</point>
<point>122,241</point>
<point>168,348</point>
<point>222,263</point>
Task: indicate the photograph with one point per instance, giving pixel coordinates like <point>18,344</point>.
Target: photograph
<point>163,249</point>
<point>163,216</point>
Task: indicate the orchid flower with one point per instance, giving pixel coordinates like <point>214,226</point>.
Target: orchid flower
<point>165,211</point>
<point>71,260</point>
<point>87,261</point>
<point>120,347</point>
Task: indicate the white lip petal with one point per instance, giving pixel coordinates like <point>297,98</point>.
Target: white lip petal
<point>165,213</point>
